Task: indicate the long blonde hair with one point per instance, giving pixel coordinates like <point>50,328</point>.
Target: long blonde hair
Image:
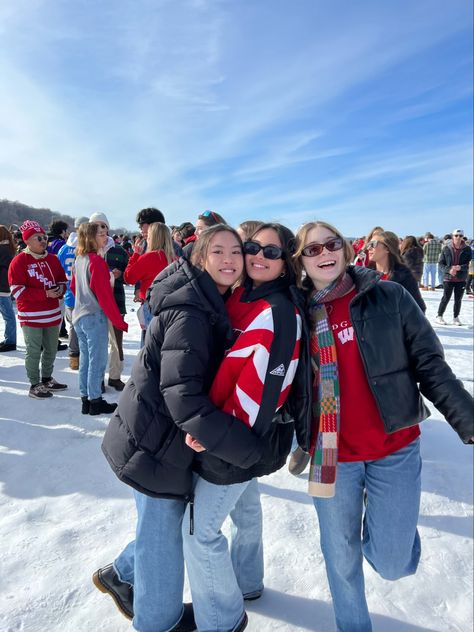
<point>159,238</point>
<point>87,239</point>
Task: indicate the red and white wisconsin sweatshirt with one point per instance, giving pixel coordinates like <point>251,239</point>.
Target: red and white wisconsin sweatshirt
<point>239,384</point>
<point>29,279</point>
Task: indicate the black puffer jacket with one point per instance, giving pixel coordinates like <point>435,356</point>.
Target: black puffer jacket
<point>403,357</point>
<point>166,394</point>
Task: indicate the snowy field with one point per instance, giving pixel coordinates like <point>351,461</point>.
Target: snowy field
<point>64,514</point>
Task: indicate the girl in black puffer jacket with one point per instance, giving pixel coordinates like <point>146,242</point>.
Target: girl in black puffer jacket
<point>165,398</point>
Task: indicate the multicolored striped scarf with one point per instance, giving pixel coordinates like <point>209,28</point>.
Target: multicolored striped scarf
<point>326,402</point>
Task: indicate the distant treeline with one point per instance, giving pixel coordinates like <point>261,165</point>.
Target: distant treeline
<point>16,213</point>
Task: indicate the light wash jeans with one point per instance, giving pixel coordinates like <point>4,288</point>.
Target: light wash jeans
<point>93,335</point>
<point>218,578</point>
<point>430,271</point>
<point>153,564</point>
<point>6,310</point>
<point>390,542</point>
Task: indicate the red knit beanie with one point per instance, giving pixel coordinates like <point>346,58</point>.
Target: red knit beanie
<point>29,228</point>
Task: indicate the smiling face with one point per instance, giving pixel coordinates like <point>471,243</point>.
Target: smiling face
<point>260,269</point>
<point>224,261</point>
<point>326,267</point>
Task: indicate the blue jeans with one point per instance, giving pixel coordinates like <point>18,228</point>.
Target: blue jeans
<point>429,272</point>
<point>6,310</point>
<point>153,564</point>
<point>93,335</point>
<point>390,542</point>
<point>218,579</point>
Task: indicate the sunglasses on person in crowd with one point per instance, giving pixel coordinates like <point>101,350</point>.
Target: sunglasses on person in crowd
<point>41,238</point>
<point>269,252</point>
<point>102,226</point>
<point>373,243</point>
<point>210,214</point>
<point>313,250</point>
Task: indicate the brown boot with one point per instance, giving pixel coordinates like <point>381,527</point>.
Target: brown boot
<point>74,362</point>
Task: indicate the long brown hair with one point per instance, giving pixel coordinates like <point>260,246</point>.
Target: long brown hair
<point>87,239</point>
<point>5,235</point>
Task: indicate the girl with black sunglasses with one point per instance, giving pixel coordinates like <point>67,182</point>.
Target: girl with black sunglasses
<point>253,383</point>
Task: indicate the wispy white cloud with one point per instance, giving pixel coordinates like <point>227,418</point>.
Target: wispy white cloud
<point>245,106</point>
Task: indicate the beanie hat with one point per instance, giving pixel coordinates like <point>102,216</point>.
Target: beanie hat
<point>458,231</point>
<point>80,220</point>
<point>30,228</point>
<point>99,217</point>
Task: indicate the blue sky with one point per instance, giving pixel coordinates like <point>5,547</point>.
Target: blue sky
<point>358,113</point>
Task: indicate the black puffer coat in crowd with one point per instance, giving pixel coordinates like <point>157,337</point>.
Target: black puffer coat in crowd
<point>166,394</point>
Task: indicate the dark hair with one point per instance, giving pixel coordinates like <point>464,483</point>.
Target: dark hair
<point>57,228</point>
<point>201,246</point>
<point>288,244</point>
<point>150,215</point>
<point>186,229</point>
<point>211,218</point>
<point>5,235</point>
<point>410,241</point>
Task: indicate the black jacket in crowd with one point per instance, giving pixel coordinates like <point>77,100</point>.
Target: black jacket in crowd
<point>403,275</point>
<point>446,261</point>
<point>403,358</point>
<point>5,258</point>
<point>166,395</point>
<point>413,258</point>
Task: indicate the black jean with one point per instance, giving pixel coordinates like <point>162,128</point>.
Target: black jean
<point>449,288</point>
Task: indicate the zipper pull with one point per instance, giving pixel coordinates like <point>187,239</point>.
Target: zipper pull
<point>191,514</point>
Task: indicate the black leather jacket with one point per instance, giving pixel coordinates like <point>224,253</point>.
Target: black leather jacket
<point>403,358</point>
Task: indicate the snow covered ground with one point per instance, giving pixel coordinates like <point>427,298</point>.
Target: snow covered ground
<point>63,514</point>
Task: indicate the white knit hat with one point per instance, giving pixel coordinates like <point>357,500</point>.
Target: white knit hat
<point>99,217</point>
<point>80,220</point>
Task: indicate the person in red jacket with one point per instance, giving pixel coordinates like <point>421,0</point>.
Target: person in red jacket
<point>143,266</point>
<point>94,304</point>
<point>38,282</point>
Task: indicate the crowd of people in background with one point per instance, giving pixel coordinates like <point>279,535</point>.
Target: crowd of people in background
<point>257,344</point>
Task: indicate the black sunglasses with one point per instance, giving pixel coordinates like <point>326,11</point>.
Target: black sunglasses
<point>269,252</point>
<point>313,250</point>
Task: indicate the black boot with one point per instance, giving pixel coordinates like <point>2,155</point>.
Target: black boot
<point>99,405</point>
<point>85,406</point>
<point>186,623</point>
<point>107,581</point>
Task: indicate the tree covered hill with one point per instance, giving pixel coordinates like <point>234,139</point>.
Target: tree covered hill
<point>16,213</point>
